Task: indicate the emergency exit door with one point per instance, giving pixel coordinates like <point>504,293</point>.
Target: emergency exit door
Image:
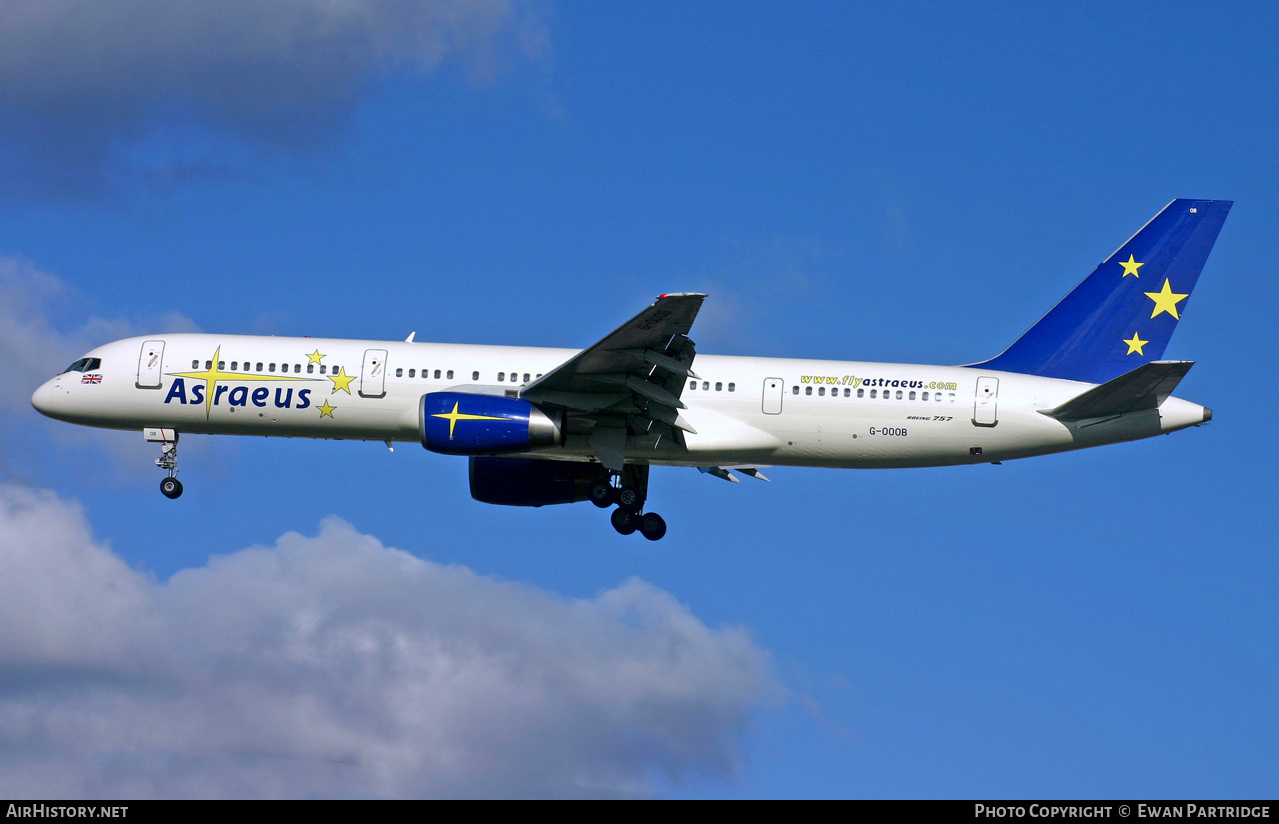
<point>773,395</point>
<point>984,405</point>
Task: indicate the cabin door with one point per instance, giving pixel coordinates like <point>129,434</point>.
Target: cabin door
<point>373,374</point>
<point>150,361</point>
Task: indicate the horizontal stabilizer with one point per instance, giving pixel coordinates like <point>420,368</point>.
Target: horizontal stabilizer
<point>1145,387</point>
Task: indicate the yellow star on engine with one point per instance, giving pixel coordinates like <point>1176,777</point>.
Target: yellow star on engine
<point>1166,300</point>
<point>326,411</point>
<point>1131,267</point>
<point>455,416</point>
<point>1135,345</point>
<point>342,381</point>
<point>316,357</point>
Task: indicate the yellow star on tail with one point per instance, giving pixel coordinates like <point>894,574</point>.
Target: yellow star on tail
<point>342,381</point>
<point>1131,267</point>
<point>316,357</point>
<point>1166,300</point>
<point>1135,345</point>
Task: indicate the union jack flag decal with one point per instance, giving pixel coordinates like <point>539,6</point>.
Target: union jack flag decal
<point>92,377</point>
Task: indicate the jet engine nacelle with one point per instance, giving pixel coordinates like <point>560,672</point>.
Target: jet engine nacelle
<point>525,482</point>
<point>462,423</point>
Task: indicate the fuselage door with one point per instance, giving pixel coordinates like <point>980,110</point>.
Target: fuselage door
<point>373,374</point>
<point>150,361</point>
<point>984,405</point>
<point>773,395</point>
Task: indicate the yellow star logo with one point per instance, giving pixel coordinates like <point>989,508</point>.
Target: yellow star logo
<point>316,357</point>
<point>1166,300</point>
<point>326,411</point>
<point>1135,345</point>
<point>455,416</point>
<point>342,381</point>
<point>214,373</point>
<point>1131,267</point>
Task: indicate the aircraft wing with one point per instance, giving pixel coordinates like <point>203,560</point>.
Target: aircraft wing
<point>631,380</point>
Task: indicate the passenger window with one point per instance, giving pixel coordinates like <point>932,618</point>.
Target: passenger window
<point>794,390</point>
<point>474,375</point>
<point>195,364</point>
<point>259,367</point>
<point>925,397</point>
<point>437,374</point>
<point>719,386</point>
<point>872,392</point>
<point>450,375</point>
<point>310,368</point>
<point>501,377</point>
<point>732,387</point>
<point>861,393</point>
<point>235,365</point>
<point>821,390</point>
<point>899,394</point>
<point>297,367</point>
<point>912,395</point>
<point>526,377</point>
<point>208,364</point>
<point>692,384</point>
<point>808,390</point>
<point>323,369</point>
<point>399,373</point>
<point>706,385</point>
<point>270,367</point>
<point>847,392</point>
<point>412,373</point>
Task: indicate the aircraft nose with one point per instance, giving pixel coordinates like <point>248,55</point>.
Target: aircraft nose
<point>42,399</point>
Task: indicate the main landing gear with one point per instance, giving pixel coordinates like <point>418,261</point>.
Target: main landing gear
<point>628,491</point>
<point>170,487</point>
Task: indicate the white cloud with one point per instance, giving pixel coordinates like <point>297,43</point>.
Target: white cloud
<point>33,347</point>
<point>335,666</point>
<point>82,81</point>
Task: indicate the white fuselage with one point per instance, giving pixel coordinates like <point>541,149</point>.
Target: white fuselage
<point>745,410</point>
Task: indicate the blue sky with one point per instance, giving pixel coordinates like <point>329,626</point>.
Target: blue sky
<point>916,182</point>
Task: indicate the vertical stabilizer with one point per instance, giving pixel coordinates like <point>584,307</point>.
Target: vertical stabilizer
<point>1123,314</point>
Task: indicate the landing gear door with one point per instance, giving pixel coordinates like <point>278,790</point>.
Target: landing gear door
<point>373,374</point>
<point>773,395</point>
<point>986,401</point>
<point>150,362</point>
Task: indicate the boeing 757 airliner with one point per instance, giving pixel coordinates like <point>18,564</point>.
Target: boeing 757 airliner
<point>556,426</point>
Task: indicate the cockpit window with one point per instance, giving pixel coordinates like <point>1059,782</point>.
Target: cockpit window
<point>84,365</point>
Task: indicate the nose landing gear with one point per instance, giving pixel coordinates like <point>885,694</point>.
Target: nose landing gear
<point>170,487</point>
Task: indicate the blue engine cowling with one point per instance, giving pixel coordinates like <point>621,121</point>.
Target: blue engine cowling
<point>525,482</point>
<point>461,423</point>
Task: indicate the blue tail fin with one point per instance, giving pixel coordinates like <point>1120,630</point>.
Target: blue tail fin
<point>1123,314</point>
